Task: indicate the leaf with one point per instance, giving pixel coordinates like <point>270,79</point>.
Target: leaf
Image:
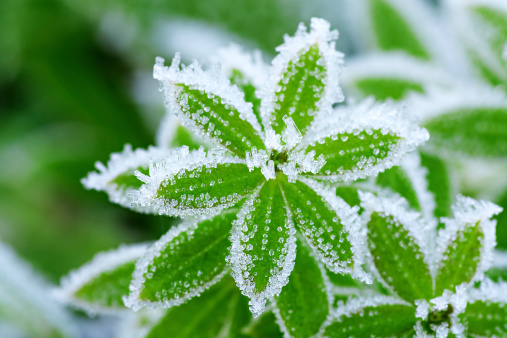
<point>220,311</point>
<point>118,177</point>
<point>303,304</point>
<point>360,141</point>
<point>466,244</point>
<point>349,194</point>
<point>395,241</point>
<point>486,311</point>
<point>207,104</point>
<point>439,183</point>
<point>391,76</point>
<point>187,260</point>
<point>330,226</point>
<point>398,181</point>
<point>469,121</point>
<point>263,246</point>
<point>196,183</point>
<point>171,134</point>
<point>304,79</point>
<point>98,286</point>
<point>247,71</point>
<point>26,304</point>
<point>383,316</point>
<point>264,326</point>
<point>501,218</point>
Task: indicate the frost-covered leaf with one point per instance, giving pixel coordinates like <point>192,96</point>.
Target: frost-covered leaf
<point>187,260</point>
<point>486,312</point>
<point>99,286</point>
<point>118,178</point>
<point>361,141</point>
<point>25,302</point>
<point>465,246</point>
<point>398,181</point>
<point>482,25</point>
<point>247,71</point>
<point>171,134</point>
<point>304,78</point>
<point>396,239</point>
<point>438,183</point>
<point>330,226</point>
<point>349,194</point>
<point>363,317</point>
<point>196,183</point>
<point>304,303</point>
<point>207,104</point>
<point>470,121</point>
<point>391,76</point>
<point>220,311</point>
<point>263,246</point>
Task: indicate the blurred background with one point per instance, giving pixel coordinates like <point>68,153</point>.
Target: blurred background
<point>76,85</point>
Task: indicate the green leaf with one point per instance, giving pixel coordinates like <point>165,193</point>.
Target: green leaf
<point>398,181</point>
<point>196,183</point>
<point>220,311</point>
<point>100,285</point>
<point>465,244</point>
<point>501,219</point>
<point>439,183</point>
<point>328,224</point>
<point>393,31</point>
<point>207,104</point>
<point>303,304</point>
<point>187,260</point>
<point>387,88</point>
<point>263,246</point>
<point>349,194</point>
<point>171,134</point>
<point>486,319</point>
<point>394,240</point>
<point>247,87</point>
<point>381,316</point>
<point>306,80</point>
<point>264,326</point>
<point>479,131</point>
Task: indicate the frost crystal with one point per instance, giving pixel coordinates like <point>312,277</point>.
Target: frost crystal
<point>423,308</point>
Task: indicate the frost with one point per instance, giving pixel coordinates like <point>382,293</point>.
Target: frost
<point>291,135</point>
<point>137,284</point>
<point>489,291</point>
<point>332,60</point>
<point>123,163</point>
<point>101,263</point>
<point>241,261</point>
<point>423,308</point>
<point>467,212</point>
<point>367,116</point>
<point>458,300</point>
<point>174,167</point>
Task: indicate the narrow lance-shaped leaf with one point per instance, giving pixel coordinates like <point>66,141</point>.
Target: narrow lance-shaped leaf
<point>466,243</point>
<point>247,71</point>
<point>486,312</point>
<point>263,246</point>
<point>182,264</point>
<point>207,104</point>
<point>118,177</point>
<point>330,226</point>
<point>304,303</point>
<point>304,79</point>
<point>220,311</point>
<point>171,134</point>
<point>378,315</point>
<point>100,285</point>
<point>264,326</point>
<point>196,183</point>
<point>398,181</point>
<point>361,141</point>
<point>396,239</point>
<point>439,183</point>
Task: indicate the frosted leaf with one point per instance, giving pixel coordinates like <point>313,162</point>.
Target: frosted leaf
<point>465,246</point>
<point>196,183</point>
<point>360,317</point>
<point>263,246</point>
<point>118,179</point>
<point>187,260</point>
<point>26,303</point>
<point>391,76</point>
<point>361,141</point>
<point>171,134</point>
<point>466,120</point>
<point>98,286</point>
<point>304,77</point>
<point>304,303</point>
<point>206,103</point>
<point>331,227</point>
<point>423,308</point>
